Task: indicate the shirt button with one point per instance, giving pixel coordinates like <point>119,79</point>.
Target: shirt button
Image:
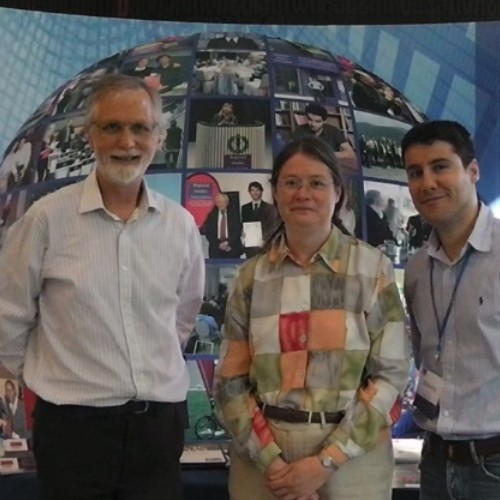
<point>446,413</point>
<point>303,339</point>
<point>124,268</point>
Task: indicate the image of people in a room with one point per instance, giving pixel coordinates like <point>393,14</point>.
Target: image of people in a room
<point>379,143</point>
<point>307,82</point>
<point>65,151</point>
<point>229,134</point>
<point>388,209</point>
<point>230,41</point>
<point>223,72</point>
<point>165,69</point>
<point>170,154</point>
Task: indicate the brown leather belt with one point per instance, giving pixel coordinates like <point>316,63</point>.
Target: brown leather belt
<point>466,452</point>
<point>299,416</point>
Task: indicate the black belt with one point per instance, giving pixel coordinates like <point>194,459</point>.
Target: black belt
<point>132,407</point>
<point>466,452</point>
<point>299,416</point>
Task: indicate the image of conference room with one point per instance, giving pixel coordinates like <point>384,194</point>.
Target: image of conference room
<point>166,71</point>
<point>169,155</point>
<point>229,134</point>
<point>65,151</point>
<point>333,124</point>
<point>379,145</point>
<point>389,213</point>
<point>231,72</point>
<point>207,332</point>
<point>246,198</point>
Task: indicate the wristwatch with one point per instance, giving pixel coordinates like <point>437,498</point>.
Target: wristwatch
<point>328,462</point>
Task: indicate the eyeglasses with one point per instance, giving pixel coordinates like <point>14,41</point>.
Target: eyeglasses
<point>293,184</point>
<point>115,129</point>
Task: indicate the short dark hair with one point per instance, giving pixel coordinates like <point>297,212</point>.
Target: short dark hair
<point>316,109</point>
<point>256,185</point>
<point>441,130</point>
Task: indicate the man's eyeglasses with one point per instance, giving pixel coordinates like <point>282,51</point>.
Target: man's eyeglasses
<point>115,129</point>
<point>293,184</point>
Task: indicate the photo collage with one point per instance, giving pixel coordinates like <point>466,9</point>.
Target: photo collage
<point>230,103</point>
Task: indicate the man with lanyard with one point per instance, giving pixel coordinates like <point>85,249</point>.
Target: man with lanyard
<point>451,288</point>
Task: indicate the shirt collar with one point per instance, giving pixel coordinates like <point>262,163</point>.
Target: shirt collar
<point>480,238</point>
<point>91,198</point>
<point>279,250</point>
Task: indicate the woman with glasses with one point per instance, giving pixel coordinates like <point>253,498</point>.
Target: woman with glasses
<point>314,356</point>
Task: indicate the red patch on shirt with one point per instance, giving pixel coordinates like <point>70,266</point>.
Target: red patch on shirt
<point>294,331</point>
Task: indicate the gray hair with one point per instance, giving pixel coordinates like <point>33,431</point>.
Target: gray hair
<point>109,84</point>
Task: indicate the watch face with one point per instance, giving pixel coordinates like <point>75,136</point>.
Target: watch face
<point>329,462</point>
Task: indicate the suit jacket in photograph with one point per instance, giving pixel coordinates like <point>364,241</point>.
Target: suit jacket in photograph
<point>210,229</point>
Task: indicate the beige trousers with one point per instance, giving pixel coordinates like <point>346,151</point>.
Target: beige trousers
<point>368,477</point>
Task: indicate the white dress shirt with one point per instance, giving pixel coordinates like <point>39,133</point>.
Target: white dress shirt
<point>470,346</point>
<point>97,309</point>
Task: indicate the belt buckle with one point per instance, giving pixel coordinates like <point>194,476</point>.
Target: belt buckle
<point>142,410</point>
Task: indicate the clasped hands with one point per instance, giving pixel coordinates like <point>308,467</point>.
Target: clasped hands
<point>299,480</point>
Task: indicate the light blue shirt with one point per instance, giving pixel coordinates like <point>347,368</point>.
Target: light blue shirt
<point>470,357</point>
<point>97,309</point>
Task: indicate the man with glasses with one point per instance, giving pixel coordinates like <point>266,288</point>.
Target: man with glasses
<point>96,301</point>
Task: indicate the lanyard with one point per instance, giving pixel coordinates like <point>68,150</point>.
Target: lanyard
<point>441,326</point>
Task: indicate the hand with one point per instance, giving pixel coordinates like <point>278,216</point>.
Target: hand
<point>299,480</point>
<point>224,246</point>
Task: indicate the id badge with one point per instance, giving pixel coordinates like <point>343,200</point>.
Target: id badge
<point>429,389</point>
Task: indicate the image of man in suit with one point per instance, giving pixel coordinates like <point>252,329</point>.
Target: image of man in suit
<point>232,41</point>
<point>377,225</point>
<point>172,145</point>
<point>14,412</point>
<point>257,210</point>
<point>222,228</point>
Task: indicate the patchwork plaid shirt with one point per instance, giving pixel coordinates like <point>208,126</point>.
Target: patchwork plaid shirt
<point>299,337</point>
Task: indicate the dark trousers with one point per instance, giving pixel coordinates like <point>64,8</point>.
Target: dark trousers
<point>117,453</point>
